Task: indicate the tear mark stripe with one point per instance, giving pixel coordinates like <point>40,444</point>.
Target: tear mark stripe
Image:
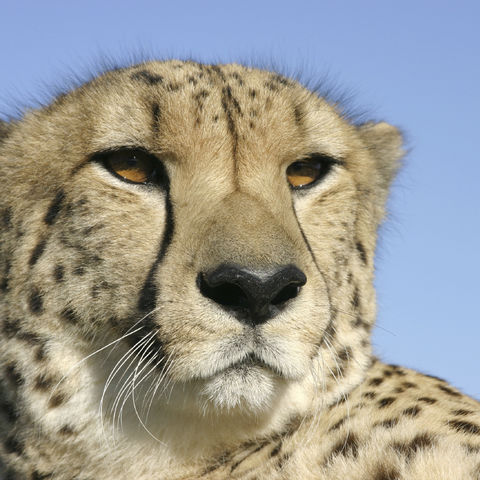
<point>146,302</point>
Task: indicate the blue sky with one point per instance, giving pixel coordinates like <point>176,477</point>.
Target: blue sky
<point>413,63</point>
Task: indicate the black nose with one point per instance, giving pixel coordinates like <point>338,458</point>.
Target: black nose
<point>253,297</point>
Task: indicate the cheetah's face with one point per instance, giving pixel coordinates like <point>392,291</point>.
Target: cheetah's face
<point>222,219</point>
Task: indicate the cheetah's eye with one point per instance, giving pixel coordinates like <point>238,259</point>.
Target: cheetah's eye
<point>307,172</point>
<point>131,165</point>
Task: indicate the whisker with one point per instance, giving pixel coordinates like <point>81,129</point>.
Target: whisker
<point>139,347</point>
<point>70,370</point>
<point>116,369</point>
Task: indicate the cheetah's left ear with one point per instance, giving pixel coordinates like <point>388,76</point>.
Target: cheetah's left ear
<point>385,143</point>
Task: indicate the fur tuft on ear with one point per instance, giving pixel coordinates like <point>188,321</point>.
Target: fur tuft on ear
<point>385,143</point>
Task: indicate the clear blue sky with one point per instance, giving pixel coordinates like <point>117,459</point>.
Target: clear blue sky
<point>413,63</point>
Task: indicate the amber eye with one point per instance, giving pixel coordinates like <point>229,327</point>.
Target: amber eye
<point>131,165</point>
<point>305,173</point>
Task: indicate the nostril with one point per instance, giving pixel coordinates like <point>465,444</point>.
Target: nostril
<point>287,293</point>
<point>226,294</point>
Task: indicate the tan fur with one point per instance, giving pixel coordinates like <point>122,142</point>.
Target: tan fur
<point>93,386</point>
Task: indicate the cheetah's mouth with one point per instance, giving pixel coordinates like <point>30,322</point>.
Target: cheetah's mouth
<point>249,383</point>
<point>250,361</point>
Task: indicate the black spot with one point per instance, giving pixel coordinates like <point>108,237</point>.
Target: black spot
<point>237,77</point>
<point>155,116</point>
<point>29,337</point>
<point>58,273</point>
<point>396,370</point>
<point>252,92</point>
<point>55,207</point>
<point>388,423</point>
<point>347,446</point>
<point>298,115</point>
<point>360,322</point>
<point>7,218</point>
<point>66,431</point>
<point>385,402</point>
<point>280,80</point>
<point>273,87</point>
<point>370,395</point>
<point>43,383</point>
<point>13,375</point>
<point>36,475</point>
<point>69,316</point>
<point>227,102</point>
<point>462,412</point>
<point>4,284</point>
<point>218,71</point>
<point>4,281</point>
<point>412,411</point>
<point>356,298</point>
<point>471,448</point>
<point>449,391</point>
<point>191,79</point>
<point>464,427</point>
<point>10,328</point>
<point>276,450</point>
<point>385,472</point>
<point>338,402</point>
<point>201,95</point>
<point>345,354</point>
<point>40,353</point>
<point>283,459</point>
<point>375,382</point>
<point>13,445</point>
<point>12,475</point>
<point>35,302</point>
<point>9,411</point>
<point>361,251</point>
<point>338,424</point>
<point>57,400</point>
<point>428,400</point>
<point>79,270</point>
<point>419,442</point>
<point>409,385</point>
<point>147,77</point>
<point>37,252</point>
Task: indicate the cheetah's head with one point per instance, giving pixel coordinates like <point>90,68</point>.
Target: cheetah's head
<point>214,225</point>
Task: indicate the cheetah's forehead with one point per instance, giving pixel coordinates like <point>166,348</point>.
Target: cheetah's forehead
<point>178,107</point>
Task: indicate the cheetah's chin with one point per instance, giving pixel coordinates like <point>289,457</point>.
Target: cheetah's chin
<point>241,386</point>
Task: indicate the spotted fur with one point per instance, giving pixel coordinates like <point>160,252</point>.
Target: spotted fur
<point>115,364</point>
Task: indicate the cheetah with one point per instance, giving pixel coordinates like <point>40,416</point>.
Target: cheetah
<point>186,289</point>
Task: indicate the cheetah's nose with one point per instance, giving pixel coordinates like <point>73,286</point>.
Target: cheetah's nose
<point>252,297</point>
